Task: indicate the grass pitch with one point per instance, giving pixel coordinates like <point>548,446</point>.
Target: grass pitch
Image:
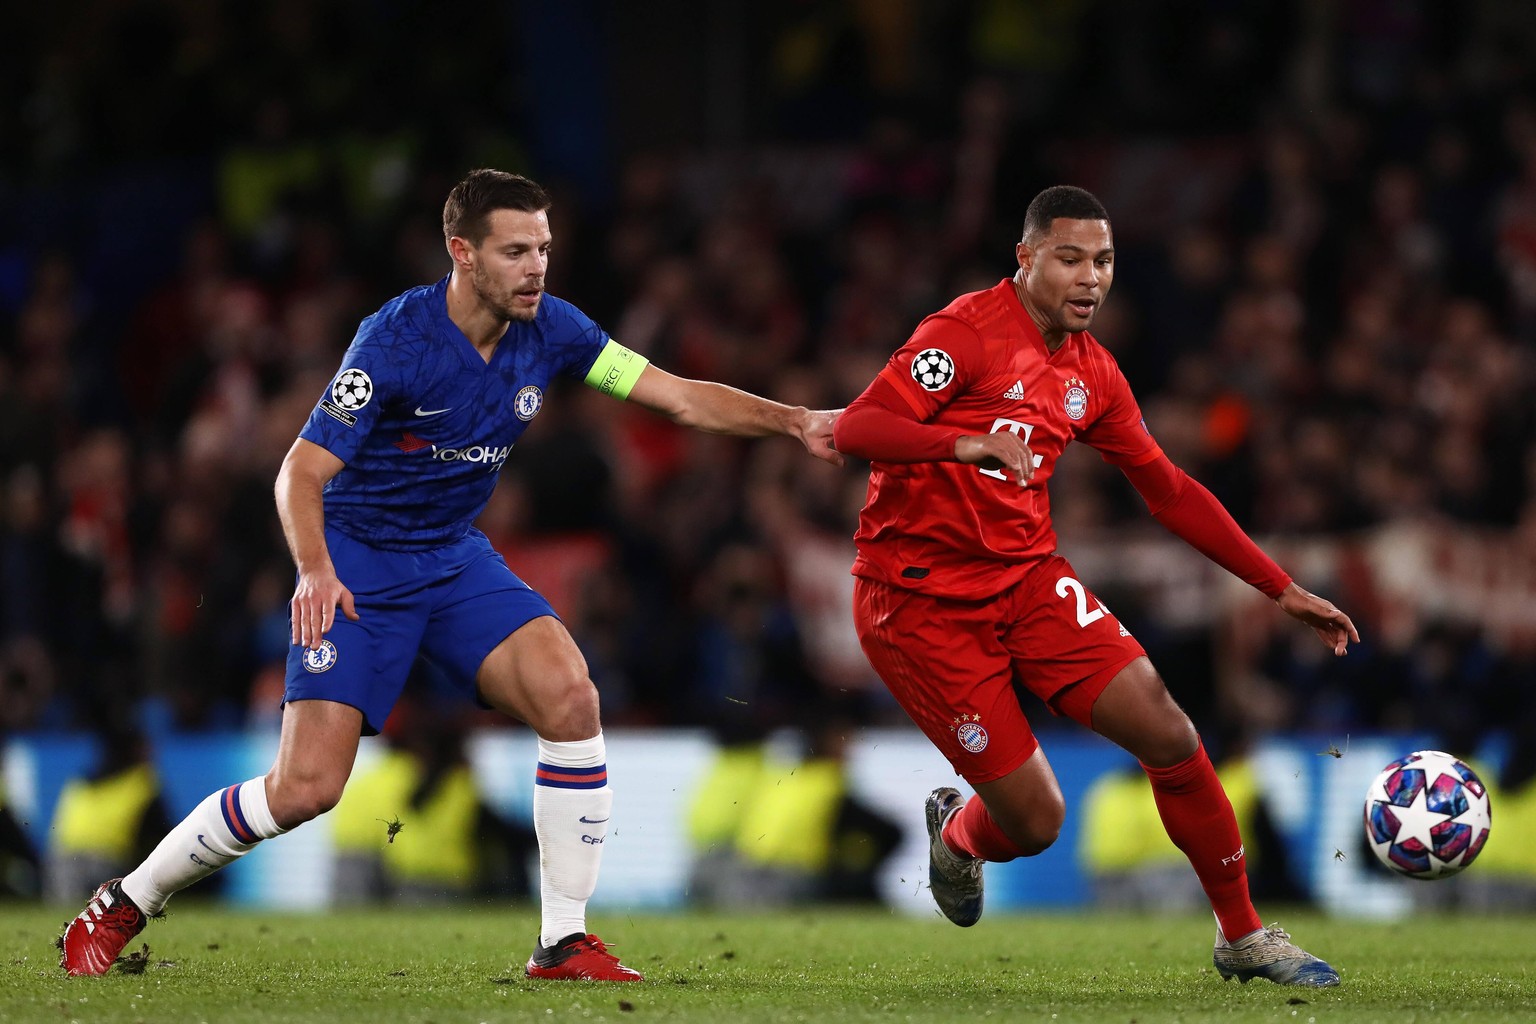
<point>465,965</point>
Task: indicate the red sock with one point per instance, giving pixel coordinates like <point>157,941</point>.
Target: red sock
<point>973,832</point>
<point>1199,819</point>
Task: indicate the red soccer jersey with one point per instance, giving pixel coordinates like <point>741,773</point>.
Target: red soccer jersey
<point>979,366</point>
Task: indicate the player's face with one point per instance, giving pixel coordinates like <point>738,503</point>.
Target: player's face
<point>1067,272</point>
<point>509,266</point>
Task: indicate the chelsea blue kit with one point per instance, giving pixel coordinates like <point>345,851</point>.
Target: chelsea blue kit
<point>424,424</point>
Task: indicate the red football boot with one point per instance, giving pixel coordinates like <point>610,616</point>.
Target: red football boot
<point>91,942</point>
<point>578,957</point>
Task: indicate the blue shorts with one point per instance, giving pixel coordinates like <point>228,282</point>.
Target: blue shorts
<point>453,604</point>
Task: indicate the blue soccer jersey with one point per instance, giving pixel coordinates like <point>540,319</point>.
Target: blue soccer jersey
<point>424,423</point>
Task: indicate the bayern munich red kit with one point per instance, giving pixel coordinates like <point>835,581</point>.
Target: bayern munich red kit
<point>960,589</point>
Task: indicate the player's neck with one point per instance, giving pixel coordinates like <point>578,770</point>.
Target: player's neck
<point>483,328</point>
<point>1054,338</point>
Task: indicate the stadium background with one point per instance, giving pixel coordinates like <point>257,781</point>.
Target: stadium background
<point>1325,298</point>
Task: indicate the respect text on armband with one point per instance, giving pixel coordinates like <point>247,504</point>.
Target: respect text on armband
<point>610,380</point>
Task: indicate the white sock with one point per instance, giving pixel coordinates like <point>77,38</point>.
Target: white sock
<point>224,827</point>
<point>571,801</point>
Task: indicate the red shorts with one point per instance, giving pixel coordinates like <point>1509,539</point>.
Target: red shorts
<point>952,664</point>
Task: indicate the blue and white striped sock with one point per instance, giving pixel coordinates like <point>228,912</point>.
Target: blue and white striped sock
<point>224,827</point>
<point>571,805</point>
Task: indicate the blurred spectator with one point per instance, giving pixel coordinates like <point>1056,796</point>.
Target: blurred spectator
<point>413,827</point>
<point>768,831</point>
<point>716,809</point>
<point>20,865</point>
<point>106,822</point>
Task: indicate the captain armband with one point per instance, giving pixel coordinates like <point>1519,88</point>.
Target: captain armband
<point>616,370</point>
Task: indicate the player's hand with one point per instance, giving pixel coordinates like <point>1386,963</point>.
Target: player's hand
<point>1003,450</point>
<point>1331,625</point>
<point>815,432</point>
<point>313,608</point>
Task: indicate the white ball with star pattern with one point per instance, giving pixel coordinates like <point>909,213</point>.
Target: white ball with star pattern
<point>352,389</point>
<point>1427,815</point>
<point>933,368</point>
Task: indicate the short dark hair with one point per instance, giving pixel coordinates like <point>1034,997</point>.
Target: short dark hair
<point>1067,201</point>
<point>481,192</point>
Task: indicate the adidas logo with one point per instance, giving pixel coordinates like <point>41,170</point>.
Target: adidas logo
<point>1016,393</point>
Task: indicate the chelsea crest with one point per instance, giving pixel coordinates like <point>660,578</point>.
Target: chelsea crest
<point>320,659</point>
<point>527,403</point>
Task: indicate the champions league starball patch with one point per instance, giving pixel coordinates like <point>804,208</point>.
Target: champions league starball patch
<point>321,659</point>
<point>970,733</point>
<point>933,369</point>
<point>352,389</point>
<point>1076,400</point>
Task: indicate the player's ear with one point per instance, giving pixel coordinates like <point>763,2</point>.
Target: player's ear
<point>1025,255</point>
<point>459,250</point>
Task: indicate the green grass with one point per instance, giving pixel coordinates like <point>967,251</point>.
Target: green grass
<point>454,966</point>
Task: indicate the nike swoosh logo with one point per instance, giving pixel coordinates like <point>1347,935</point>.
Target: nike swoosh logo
<point>592,821</point>
<point>432,412</point>
<point>222,858</point>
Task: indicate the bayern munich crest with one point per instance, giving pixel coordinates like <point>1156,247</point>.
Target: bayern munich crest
<point>970,733</point>
<point>527,403</point>
<point>321,659</point>
<point>1076,400</point>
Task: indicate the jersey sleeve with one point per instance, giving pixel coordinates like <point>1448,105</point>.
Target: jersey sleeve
<point>936,364</point>
<point>1119,433</point>
<point>575,338</point>
<point>369,379</point>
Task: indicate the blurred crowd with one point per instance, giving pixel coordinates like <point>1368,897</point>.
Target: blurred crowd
<point>1325,299</point>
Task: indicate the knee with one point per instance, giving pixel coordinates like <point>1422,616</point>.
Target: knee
<point>569,709</point>
<point>1137,712</point>
<point>296,798</point>
<point>1167,740</point>
<point>1035,831</point>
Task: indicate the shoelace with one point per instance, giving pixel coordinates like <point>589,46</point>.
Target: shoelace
<point>1274,931</point>
<point>596,945</point>
<point>114,914</point>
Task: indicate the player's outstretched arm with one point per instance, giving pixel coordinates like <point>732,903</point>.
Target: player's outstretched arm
<point>1331,625</point>
<point>719,409</point>
<point>1192,513</point>
<point>306,469</point>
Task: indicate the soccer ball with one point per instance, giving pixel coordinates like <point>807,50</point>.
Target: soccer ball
<point>1427,815</point>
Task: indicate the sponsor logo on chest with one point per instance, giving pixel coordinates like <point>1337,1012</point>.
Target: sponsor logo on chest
<point>492,456</point>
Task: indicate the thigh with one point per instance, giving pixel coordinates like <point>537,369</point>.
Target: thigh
<point>1137,712</point>
<point>479,607</point>
<point>945,666</point>
<point>1065,644</point>
<point>538,675</point>
<point>364,664</point>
